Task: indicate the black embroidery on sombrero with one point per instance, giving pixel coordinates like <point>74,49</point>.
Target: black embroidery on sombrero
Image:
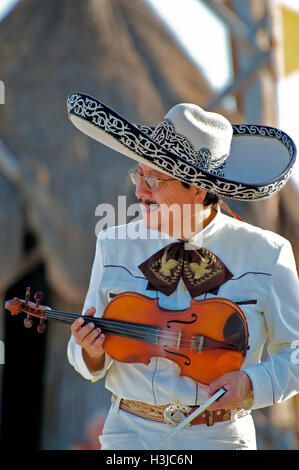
<point>204,158</point>
<point>150,152</point>
<point>201,270</point>
<point>165,134</point>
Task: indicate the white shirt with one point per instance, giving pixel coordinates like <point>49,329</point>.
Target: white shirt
<point>263,268</point>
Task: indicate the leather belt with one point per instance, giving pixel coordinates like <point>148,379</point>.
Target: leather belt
<point>175,412</point>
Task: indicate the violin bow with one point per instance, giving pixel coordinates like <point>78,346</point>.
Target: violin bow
<point>193,415</point>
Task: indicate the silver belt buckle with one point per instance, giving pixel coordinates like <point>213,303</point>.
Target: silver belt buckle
<point>176,413</point>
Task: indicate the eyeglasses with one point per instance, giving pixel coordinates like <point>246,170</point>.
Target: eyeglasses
<point>151,181</point>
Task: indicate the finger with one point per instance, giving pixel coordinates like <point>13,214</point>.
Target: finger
<point>220,382</point>
<point>214,386</point>
<point>90,312</point>
<point>79,322</point>
<point>76,325</point>
<point>224,401</point>
<point>90,338</point>
<point>83,332</point>
<point>93,344</point>
<point>99,340</point>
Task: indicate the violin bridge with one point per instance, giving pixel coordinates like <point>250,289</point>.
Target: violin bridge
<point>198,343</point>
<point>178,344</point>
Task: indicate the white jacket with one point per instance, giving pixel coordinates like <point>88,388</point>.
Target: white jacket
<point>263,268</point>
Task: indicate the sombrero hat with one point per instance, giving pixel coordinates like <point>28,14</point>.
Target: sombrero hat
<point>243,161</point>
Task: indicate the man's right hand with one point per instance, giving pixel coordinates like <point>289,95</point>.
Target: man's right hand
<point>91,340</point>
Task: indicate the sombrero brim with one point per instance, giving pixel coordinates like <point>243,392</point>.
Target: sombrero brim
<point>259,164</point>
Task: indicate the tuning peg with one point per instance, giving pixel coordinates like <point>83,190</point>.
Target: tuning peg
<point>27,295</point>
<point>28,321</point>
<point>41,326</point>
<point>38,297</point>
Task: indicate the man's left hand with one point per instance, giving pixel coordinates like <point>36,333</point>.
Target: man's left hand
<point>238,386</point>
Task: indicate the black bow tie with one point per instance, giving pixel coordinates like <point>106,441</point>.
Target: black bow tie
<point>201,270</point>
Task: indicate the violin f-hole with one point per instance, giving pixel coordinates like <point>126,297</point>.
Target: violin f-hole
<point>188,360</point>
<point>185,322</point>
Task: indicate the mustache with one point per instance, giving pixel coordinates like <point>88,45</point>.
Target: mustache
<point>147,202</point>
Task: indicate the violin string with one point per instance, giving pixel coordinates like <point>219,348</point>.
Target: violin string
<point>136,329</point>
<point>105,321</point>
<point>162,338</point>
<point>113,324</point>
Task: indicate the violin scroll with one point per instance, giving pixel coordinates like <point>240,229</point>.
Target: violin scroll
<point>15,306</point>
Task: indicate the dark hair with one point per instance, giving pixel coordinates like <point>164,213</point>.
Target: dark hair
<point>210,199</point>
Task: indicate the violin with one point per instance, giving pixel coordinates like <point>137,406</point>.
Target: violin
<point>206,340</point>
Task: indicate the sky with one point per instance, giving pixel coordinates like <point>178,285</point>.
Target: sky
<point>5,6</point>
<point>191,22</point>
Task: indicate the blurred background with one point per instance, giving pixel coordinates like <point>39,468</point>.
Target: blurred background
<point>140,57</point>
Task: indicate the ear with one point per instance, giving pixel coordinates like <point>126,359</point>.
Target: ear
<point>199,195</point>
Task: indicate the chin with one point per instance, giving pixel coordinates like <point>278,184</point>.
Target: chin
<point>150,223</point>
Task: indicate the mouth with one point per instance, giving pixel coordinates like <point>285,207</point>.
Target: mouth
<point>148,207</point>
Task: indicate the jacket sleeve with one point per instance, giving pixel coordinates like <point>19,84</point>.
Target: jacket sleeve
<point>93,299</point>
<point>277,377</point>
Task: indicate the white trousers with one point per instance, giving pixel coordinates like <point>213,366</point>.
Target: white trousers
<point>125,431</point>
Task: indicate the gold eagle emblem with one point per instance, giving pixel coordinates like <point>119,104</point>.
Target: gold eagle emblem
<point>167,266</point>
<point>200,270</point>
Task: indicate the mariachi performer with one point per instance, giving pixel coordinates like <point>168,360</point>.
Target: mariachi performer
<point>233,285</point>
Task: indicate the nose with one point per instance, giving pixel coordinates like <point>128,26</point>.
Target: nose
<point>143,191</point>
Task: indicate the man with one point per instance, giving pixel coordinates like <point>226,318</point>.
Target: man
<point>187,162</point>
